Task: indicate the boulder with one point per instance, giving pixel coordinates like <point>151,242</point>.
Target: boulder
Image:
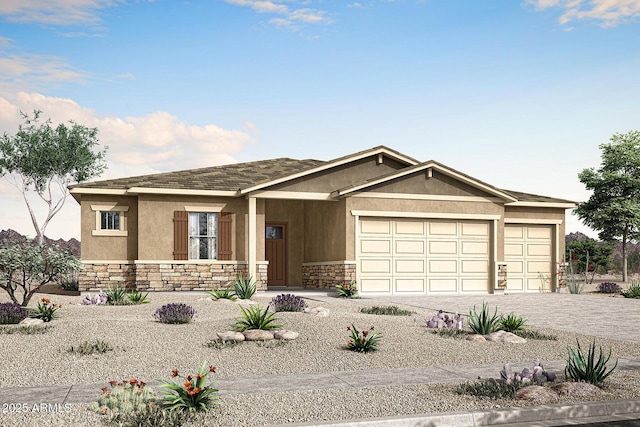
<point>502,336</point>
<point>537,394</point>
<point>578,390</point>
<point>476,338</point>
<point>230,336</point>
<point>285,334</point>
<point>29,321</point>
<point>317,311</point>
<point>257,335</point>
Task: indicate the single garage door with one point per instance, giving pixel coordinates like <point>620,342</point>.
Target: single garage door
<point>398,256</point>
<point>527,252</point>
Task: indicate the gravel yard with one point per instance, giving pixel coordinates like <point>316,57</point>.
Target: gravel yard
<point>148,350</point>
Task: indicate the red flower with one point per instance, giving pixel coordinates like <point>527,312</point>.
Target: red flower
<point>212,369</point>
<point>104,389</point>
<point>372,328</point>
<point>365,333</point>
<point>189,377</point>
<point>113,383</point>
<point>133,381</point>
<point>188,385</point>
<point>141,384</point>
<point>45,300</point>
<point>348,328</point>
<point>174,373</point>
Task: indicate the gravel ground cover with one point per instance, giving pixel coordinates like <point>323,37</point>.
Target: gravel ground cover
<point>148,350</point>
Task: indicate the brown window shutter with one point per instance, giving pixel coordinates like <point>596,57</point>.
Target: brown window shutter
<point>180,235</point>
<point>224,236</point>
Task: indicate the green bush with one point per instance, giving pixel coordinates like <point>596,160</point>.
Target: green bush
<point>149,416</point>
<point>363,341</point>
<point>535,335</point>
<point>137,297</point>
<point>347,289</point>
<point>483,323</point>
<point>45,310</point>
<point>388,310</point>
<point>192,395</point>
<point>512,323</point>
<point>633,291</point>
<point>254,318</point>
<point>585,368</point>
<point>124,397</point>
<point>117,295</point>
<point>224,293</point>
<point>91,347</point>
<point>244,288</point>
<point>491,388</point>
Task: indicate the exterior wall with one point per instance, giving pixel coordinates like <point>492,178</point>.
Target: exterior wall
<point>438,184</point>
<point>108,247</point>
<point>324,230</point>
<point>291,212</point>
<point>155,231</point>
<point>327,275</point>
<point>166,276</point>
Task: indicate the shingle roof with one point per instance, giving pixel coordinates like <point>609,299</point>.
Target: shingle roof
<point>223,178</point>
<point>526,197</point>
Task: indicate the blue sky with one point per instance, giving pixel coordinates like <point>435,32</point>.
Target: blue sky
<point>515,93</point>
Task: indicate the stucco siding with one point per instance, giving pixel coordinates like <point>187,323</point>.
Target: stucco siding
<point>325,228</point>
<point>437,184</point>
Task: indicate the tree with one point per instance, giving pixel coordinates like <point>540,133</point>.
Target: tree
<point>614,206</point>
<point>598,254</point>
<point>25,268</point>
<point>45,160</point>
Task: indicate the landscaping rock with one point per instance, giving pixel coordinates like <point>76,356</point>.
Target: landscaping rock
<point>285,334</point>
<point>578,390</point>
<point>317,311</point>
<point>502,336</point>
<point>257,335</point>
<point>31,322</point>
<point>230,336</point>
<point>476,338</point>
<point>537,394</point>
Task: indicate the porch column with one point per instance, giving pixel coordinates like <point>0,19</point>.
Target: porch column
<point>252,229</point>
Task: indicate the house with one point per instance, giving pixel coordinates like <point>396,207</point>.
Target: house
<point>379,217</point>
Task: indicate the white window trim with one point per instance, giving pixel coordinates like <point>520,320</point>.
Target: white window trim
<point>112,207</point>
<point>207,210</point>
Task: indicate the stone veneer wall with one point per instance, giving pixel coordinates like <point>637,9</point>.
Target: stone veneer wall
<point>317,275</point>
<point>170,276</point>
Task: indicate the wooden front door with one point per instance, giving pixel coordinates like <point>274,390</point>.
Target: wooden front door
<point>276,253</point>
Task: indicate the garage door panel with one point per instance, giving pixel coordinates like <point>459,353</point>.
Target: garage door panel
<point>409,247</point>
<point>409,266</point>
<point>515,284</point>
<point>475,285</point>
<point>379,265</point>
<point>472,266</point>
<point>475,229</point>
<point>410,285</point>
<point>415,228</point>
<point>542,232</point>
<point>443,285</point>
<point>515,232</point>
<point>443,228</point>
<point>376,247</point>
<point>536,267</point>
<point>370,226</point>
<point>513,249</point>
<point>375,285</point>
<point>448,266</point>
<point>538,250</point>
<point>443,248</point>
<point>475,248</point>
<point>536,285</point>
<point>514,267</point>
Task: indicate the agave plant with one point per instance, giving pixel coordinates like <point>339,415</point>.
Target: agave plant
<point>512,323</point>
<point>483,323</point>
<point>581,368</point>
<point>224,293</point>
<point>254,318</point>
<point>244,287</point>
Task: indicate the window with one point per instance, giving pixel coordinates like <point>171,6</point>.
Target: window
<point>203,235</point>
<point>110,220</point>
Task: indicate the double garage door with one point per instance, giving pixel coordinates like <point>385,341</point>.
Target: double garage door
<point>398,256</point>
<point>528,254</point>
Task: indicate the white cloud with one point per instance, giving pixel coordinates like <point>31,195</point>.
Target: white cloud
<point>289,15</point>
<point>156,142</point>
<point>56,12</point>
<point>608,12</point>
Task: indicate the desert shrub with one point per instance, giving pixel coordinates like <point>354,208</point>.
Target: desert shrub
<point>137,297</point>
<point>175,313</point>
<point>450,333</point>
<point>255,318</point>
<point>91,347</point>
<point>608,288</point>
<point>12,313</point>
<point>347,289</point>
<point>149,416</point>
<point>633,291</point>
<point>192,395</point>
<point>484,323</point>
<point>224,293</point>
<point>512,323</point>
<point>117,295</point>
<point>491,388</point>
<point>535,335</point>
<point>220,344</point>
<point>244,288</point>
<point>287,302</point>
<point>24,330</point>
<point>124,397</point>
<point>386,310</point>
<point>69,285</point>
<point>585,368</point>
<point>45,310</point>
<point>363,341</point>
